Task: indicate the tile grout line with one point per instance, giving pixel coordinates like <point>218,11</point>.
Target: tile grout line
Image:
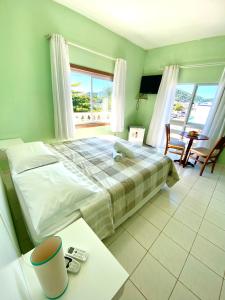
<point>161,230</point>
<point>138,289</point>
<point>214,224</point>
<point>221,289</point>
<point>147,252</point>
<point>189,253</point>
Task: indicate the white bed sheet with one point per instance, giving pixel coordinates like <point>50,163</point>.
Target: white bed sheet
<point>59,221</point>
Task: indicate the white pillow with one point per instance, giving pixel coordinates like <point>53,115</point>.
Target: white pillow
<point>26,156</point>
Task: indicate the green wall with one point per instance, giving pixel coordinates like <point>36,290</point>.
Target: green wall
<point>26,108</point>
<point>201,51</point>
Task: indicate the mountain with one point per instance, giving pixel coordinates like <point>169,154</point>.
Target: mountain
<point>183,96</point>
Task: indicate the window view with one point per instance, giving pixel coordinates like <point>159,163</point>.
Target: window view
<point>91,95</point>
<point>191,107</point>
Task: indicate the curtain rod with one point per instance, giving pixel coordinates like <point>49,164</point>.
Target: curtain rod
<point>86,49</point>
<point>213,64</point>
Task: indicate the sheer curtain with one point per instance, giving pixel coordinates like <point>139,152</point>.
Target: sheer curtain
<point>62,99</point>
<point>215,124</point>
<point>163,107</point>
<point>118,95</point>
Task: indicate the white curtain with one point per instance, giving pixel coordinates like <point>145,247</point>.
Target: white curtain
<point>62,99</point>
<point>215,124</point>
<point>118,95</point>
<point>163,107</point>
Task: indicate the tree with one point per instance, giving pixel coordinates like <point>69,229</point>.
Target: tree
<point>178,107</point>
<point>81,101</point>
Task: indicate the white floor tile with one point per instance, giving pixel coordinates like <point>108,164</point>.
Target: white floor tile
<point>155,215</point>
<point>220,187</point>
<point>143,231</point>
<point>169,254</point>
<point>217,205</point>
<point>131,292</point>
<point>180,292</point>
<point>201,194</point>
<point>154,281</point>
<point>213,233</point>
<point>187,217</point>
<point>195,205</point>
<point>218,195</point>
<point>128,251</point>
<point>216,217</point>
<point>167,205</point>
<point>180,233</point>
<point>108,241</point>
<point>209,254</point>
<point>130,221</point>
<point>201,280</point>
<point>176,193</point>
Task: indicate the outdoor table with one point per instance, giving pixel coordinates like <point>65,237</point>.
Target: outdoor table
<point>199,137</point>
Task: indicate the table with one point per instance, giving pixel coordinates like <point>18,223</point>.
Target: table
<point>101,277</point>
<point>199,137</point>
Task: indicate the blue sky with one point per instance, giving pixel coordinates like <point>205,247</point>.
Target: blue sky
<point>85,80</point>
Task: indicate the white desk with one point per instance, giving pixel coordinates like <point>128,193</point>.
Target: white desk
<point>101,277</point>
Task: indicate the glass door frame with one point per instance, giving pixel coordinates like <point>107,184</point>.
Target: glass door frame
<point>184,124</point>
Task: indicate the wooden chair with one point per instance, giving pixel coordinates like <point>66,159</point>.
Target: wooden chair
<point>171,143</point>
<point>208,156</point>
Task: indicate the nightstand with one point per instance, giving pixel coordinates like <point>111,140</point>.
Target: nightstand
<point>101,277</point>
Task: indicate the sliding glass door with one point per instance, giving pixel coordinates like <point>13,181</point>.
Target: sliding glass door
<point>191,107</point>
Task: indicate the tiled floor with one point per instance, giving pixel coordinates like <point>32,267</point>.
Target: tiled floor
<point>174,247</point>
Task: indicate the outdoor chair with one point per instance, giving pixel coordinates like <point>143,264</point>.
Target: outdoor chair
<point>207,156</point>
<point>177,146</point>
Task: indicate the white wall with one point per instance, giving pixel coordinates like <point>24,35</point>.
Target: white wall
<point>13,285</point>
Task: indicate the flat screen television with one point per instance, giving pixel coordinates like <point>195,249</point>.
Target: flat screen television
<point>150,84</point>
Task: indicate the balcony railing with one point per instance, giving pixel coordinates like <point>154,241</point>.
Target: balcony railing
<point>91,117</point>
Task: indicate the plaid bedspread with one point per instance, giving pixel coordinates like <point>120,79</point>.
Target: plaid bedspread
<point>127,181</point>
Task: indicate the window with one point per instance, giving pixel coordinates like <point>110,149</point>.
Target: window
<point>191,106</point>
<point>91,95</point>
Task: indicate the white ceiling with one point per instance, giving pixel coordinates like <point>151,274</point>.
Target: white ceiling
<point>155,23</point>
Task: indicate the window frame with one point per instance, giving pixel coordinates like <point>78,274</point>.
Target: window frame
<point>92,72</point>
<point>96,74</point>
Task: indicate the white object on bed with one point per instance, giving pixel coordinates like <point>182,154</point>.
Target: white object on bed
<point>124,149</point>
<point>26,156</point>
<point>117,156</point>
<point>50,193</point>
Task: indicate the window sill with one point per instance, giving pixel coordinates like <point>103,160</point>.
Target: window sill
<point>88,125</point>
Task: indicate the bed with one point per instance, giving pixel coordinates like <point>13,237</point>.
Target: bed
<point>117,189</point>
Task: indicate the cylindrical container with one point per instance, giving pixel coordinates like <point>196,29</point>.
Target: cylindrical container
<point>49,266</point>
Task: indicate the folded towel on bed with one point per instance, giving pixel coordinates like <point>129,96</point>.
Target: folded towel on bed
<point>117,156</point>
<point>121,148</point>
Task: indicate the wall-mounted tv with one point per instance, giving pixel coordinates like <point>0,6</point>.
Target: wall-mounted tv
<point>150,84</point>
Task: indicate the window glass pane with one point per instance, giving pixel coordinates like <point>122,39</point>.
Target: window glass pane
<point>101,93</point>
<point>203,101</point>
<point>81,90</point>
<point>182,101</point>
<point>91,97</point>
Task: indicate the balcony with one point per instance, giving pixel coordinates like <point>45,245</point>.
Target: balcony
<point>91,119</point>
